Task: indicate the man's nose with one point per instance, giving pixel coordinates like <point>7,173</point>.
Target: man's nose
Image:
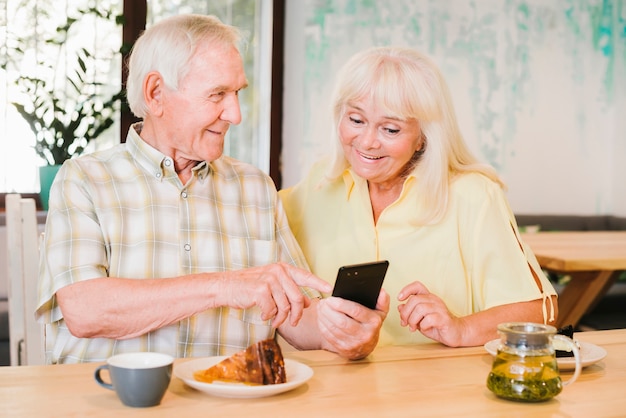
<point>231,112</point>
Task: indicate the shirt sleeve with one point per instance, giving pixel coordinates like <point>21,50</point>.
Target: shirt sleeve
<point>289,250</point>
<point>503,268</point>
<point>73,248</point>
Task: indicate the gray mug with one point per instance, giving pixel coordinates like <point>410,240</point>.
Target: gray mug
<point>139,379</point>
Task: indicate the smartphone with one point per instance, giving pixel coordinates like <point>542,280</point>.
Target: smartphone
<point>361,282</point>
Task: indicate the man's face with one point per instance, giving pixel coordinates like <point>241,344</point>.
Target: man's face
<point>198,114</point>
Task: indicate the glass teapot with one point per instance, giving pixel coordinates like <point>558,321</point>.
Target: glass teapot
<point>525,367</point>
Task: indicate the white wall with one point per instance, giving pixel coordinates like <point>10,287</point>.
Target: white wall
<point>538,86</point>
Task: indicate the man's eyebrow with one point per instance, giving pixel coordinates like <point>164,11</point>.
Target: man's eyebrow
<point>222,88</point>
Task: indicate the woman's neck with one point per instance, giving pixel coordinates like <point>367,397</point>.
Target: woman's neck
<point>383,195</point>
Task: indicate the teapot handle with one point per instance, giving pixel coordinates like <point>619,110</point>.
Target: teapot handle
<point>576,353</point>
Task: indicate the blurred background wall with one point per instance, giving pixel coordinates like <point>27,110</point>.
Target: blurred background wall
<point>539,87</point>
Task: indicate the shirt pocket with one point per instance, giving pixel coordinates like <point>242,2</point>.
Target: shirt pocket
<point>243,253</point>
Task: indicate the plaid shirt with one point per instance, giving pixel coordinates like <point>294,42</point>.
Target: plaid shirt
<point>124,212</point>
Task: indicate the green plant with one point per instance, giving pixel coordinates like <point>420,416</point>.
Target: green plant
<point>65,106</point>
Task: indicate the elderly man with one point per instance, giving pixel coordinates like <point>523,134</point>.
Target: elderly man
<point>164,244</point>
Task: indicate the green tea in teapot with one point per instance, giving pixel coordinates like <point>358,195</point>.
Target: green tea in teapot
<point>525,367</point>
<point>531,379</point>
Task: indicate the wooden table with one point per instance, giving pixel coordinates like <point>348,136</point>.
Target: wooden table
<point>593,260</point>
<point>422,380</point>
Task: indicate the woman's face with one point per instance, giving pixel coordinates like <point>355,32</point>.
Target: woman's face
<point>377,145</point>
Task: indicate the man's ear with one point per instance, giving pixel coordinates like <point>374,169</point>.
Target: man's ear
<point>153,92</point>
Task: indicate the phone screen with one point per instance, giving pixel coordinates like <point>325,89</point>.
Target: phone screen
<point>361,282</point>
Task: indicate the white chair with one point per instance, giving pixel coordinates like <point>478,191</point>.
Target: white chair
<point>26,334</point>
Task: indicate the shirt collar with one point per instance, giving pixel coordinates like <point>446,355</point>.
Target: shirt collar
<point>351,181</point>
<point>153,160</point>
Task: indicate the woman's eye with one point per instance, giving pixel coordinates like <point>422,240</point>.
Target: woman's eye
<point>355,120</point>
<point>392,131</point>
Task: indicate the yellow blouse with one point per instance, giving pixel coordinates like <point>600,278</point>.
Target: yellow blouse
<point>471,259</point>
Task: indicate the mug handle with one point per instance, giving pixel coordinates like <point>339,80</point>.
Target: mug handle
<point>99,379</point>
<point>576,353</point>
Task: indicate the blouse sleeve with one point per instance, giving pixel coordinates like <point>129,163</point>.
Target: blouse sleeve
<point>503,268</point>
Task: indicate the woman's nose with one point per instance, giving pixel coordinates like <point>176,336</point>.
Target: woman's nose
<point>369,138</point>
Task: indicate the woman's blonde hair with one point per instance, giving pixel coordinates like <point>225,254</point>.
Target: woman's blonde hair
<point>408,85</point>
<point>167,47</point>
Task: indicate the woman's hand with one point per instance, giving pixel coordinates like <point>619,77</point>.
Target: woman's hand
<point>428,314</point>
<point>349,328</point>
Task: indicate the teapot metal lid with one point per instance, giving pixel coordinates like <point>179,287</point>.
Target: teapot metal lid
<point>526,334</point>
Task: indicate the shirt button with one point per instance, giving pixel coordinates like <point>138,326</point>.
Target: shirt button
<point>187,247</point>
<point>158,175</point>
<point>167,162</point>
<point>184,195</point>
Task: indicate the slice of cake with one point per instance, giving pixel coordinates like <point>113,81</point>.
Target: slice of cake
<point>259,364</point>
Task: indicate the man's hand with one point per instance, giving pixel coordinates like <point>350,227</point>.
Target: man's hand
<point>118,308</point>
<point>274,288</point>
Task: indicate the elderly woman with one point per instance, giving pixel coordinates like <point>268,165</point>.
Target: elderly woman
<point>403,186</point>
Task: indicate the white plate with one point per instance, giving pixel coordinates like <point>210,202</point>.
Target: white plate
<point>589,353</point>
<point>297,374</point>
